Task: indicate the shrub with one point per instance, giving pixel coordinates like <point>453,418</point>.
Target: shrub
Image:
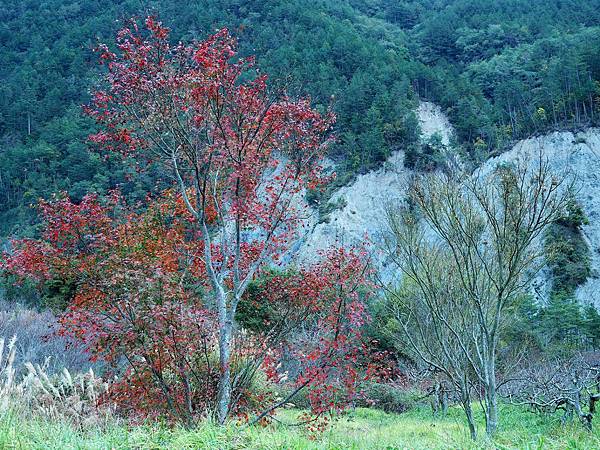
<point>567,253</point>
<point>426,157</point>
<point>389,397</point>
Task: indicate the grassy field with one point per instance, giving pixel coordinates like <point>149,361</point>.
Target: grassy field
<point>361,429</point>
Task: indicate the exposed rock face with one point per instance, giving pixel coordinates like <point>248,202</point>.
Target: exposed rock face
<point>363,208</point>
<point>577,154</point>
<point>364,201</point>
<point>433,121</point>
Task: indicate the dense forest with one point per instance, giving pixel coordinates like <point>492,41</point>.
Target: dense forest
<point>501,72</point>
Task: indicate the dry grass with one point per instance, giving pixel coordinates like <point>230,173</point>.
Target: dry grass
<point>59,397</point>
<point>37,341</point>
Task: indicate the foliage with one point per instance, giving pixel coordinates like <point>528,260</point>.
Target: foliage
<point>508,69</point>
<point>557,329</point>
<point>363,75</point>
<point>129,298</point>
<point>567,253</point>
<point>140,305</point>
<point>253,314</point>
<point>561,325</point>
<point>427,157</point>
<point>240,158</point>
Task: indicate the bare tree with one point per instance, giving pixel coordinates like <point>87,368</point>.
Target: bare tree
<point>477,234</point>
<point>568,384</point>
<point>432,311</point>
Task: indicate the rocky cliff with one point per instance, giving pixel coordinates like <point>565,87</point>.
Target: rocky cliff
<point>362,204</point>
<point>577,155</point>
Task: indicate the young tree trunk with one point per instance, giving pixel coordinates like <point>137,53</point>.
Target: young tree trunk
<point>444,400</point>
<point>465,400</point>
<point>224,398</point>
<point>225,337</point>
<point>491,401</point>
<point>470,420</point>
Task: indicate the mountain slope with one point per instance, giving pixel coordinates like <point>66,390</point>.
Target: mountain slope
<point>501,70</point>
<point>361,205</point>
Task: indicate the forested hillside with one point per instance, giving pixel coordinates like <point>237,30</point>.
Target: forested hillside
<point>178,256</point>
<point>501,72</point>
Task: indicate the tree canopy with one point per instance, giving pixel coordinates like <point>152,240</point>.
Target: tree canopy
<point>501,71</point>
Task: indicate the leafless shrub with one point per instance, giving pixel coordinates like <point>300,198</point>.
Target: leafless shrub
<point>37,342</point>
<point>569,385</point>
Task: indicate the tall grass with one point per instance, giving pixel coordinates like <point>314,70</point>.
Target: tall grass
<point>360,429</point>
<point>74,400</point>
<point>41,410</point>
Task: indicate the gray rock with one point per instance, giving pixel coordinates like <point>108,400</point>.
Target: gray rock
<point>366,198</point>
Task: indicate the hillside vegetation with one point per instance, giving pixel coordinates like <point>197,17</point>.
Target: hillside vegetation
<point>299,224</point>
<point>501,72</point>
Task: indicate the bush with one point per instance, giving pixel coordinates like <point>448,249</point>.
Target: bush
<point>426,157</point>
<point>36,342</point>
<point>389,397</point>
<point>326,209</point>
<point>567,252</point>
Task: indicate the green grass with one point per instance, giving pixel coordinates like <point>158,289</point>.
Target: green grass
<point>361,429</point>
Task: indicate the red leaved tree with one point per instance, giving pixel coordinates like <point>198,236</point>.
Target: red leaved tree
<point>138,301</point>
<point>240,157</point>
<point>160,289</point>
<point>327,342</point>
<point>132,301</point>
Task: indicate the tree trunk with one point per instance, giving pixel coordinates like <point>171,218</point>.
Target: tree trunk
<point>444,400</point>
<point>224,399</point>
<point>465,400</point>
<point>470,421</point>
<point>435,396</point>
<point>491,401</point>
